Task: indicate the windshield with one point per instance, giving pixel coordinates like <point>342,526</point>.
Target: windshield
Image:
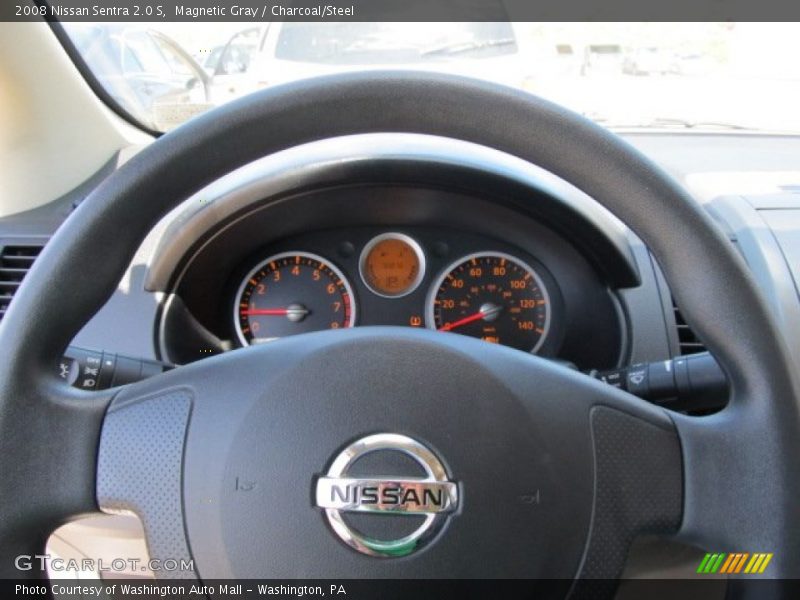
<point>684,76</point>
<point>390,43</point>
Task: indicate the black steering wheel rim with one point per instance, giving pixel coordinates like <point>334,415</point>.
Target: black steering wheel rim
<point>738,465</point>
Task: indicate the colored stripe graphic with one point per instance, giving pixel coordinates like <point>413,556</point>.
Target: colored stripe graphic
<point>703,563</point>
<point>727,564</point>
<point>740,564</point>
<point>732,565</point>
<point>715,567</point>
<point>753,564</point>
<point>711,563</point>
<point>767,558</point>
<point>735,563</point>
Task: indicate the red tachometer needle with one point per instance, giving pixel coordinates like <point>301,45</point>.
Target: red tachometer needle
<point>293,312</point>
<point>278,312</point>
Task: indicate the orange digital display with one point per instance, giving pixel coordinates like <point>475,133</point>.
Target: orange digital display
<point>392,266</point>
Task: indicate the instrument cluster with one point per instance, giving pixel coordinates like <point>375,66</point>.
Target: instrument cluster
<point>491,294</point>
<point>525,289</point>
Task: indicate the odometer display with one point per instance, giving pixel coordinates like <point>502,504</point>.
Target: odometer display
<point>494,297</point>
<point>392,265</point>
<point>292,293</point>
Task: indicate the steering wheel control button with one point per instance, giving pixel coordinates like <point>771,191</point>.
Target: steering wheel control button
<point>82,368</point>
<point>426,494</point>
<point>638,381</point>
<point>91,370</point>
<point>694,380</point>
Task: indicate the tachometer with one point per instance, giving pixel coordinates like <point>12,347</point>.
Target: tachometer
<point>291,293</point>
<point>494,297</point>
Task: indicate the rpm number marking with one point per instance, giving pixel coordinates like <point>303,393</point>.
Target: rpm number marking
<point>292,293</point>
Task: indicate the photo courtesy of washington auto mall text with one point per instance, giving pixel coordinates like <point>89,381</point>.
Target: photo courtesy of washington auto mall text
<point>140,590</point>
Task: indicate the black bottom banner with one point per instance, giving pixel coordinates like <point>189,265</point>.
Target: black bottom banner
<point>416,589</point>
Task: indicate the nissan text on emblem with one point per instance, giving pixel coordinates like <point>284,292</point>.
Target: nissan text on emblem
<point>421,501</point>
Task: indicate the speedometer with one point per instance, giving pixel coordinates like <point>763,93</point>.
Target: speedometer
<point>291,293</point>
<point>494,297</point>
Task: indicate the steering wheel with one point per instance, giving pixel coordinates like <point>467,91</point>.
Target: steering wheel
<point>234,461</point>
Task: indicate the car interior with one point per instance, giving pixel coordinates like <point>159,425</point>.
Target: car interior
<point>360,301</point>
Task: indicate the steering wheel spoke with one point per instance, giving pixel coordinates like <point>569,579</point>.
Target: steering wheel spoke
<point>731,456</point>
<point>52,480</point>
<point>636,469</point>
<point>140,467</point>
<point>638,487</point>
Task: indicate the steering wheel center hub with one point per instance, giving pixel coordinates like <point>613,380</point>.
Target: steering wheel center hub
<point>384,442</point>
<point>431,496</point>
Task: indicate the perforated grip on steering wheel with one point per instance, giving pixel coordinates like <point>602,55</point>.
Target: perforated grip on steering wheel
<point>140,471</point>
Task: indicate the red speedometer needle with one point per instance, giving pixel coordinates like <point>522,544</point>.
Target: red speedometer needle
<point>488,311</point>
<point>466,320</point>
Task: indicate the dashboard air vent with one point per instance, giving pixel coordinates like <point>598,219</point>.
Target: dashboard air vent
<point>15,262</point>
<point>688,342</point>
